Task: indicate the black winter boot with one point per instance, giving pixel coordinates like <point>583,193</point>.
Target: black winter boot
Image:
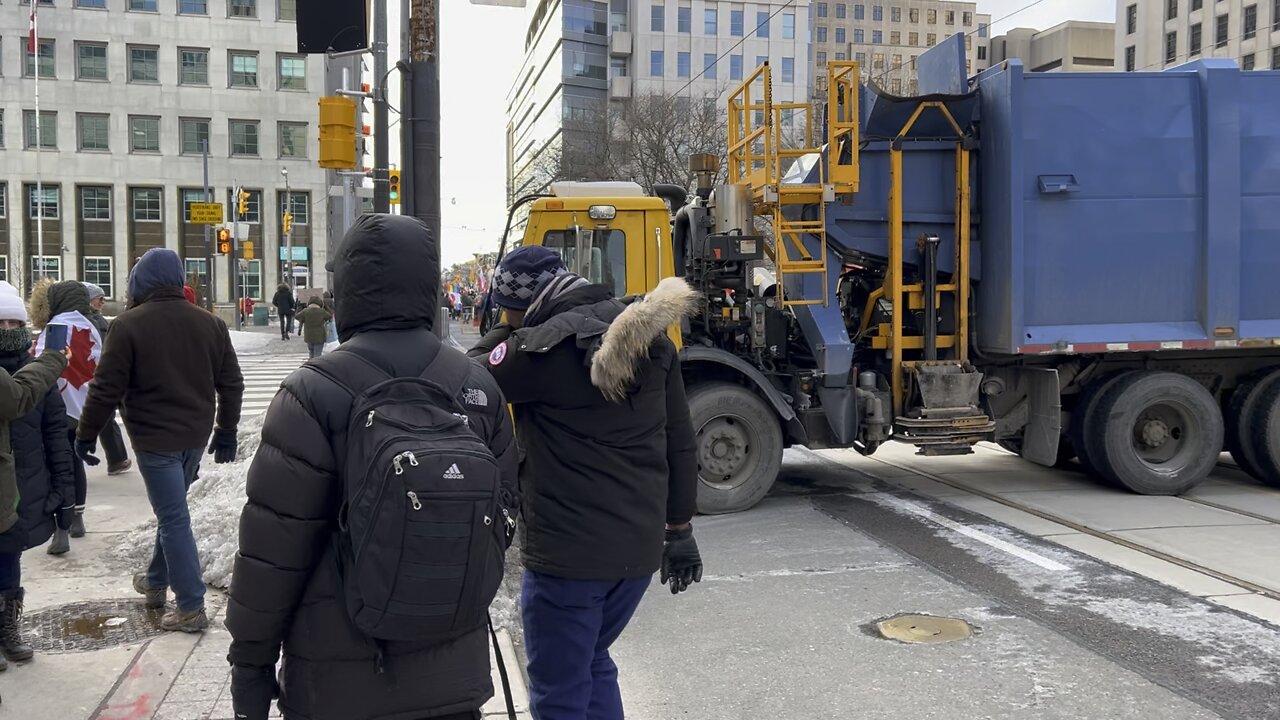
<point>11,626</point>
<point>77,525</point>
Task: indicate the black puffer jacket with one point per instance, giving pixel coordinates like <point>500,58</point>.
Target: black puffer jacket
<point>600,477</point>
<point>286,588</point>
<point>42,463</point>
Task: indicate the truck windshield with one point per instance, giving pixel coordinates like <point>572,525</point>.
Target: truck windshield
<point>607,264</point>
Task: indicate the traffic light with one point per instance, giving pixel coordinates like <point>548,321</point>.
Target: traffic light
<point>224,241</point>
<point>338,133</point>
<point>288,222</point>
<point>393,186</point>
<point>242,203</point>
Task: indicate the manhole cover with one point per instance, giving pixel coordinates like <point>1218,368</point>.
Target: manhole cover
<point>924,629</point>
<point>80,627</point>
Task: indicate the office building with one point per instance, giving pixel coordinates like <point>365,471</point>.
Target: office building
<point>1072,46</point>
<point>129,91</point>
<point>1157,34</point>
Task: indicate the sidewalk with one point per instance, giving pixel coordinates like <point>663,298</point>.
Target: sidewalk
<point>101,656</point>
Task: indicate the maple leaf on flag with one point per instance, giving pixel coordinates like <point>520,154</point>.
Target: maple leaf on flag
<point>83,366</point>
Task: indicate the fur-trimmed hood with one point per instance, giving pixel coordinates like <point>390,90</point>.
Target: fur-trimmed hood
<point>627,341</point>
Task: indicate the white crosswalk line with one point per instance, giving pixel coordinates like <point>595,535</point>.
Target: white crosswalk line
<point>262,377</point>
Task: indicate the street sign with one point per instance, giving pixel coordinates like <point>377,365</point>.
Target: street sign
<point>299,252</point>
<point>206,213</point>
<point>246,250</point>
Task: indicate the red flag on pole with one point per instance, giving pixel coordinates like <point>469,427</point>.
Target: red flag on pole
<point>31,36</point>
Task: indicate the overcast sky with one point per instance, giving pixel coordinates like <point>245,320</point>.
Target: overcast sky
<point>482,48</point>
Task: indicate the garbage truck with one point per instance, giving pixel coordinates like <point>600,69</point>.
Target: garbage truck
<point>1070,265</point>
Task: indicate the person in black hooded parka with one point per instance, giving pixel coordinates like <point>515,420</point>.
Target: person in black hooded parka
<point>285,589</point>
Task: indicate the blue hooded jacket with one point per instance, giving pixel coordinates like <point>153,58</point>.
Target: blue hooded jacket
<point>158,268</point>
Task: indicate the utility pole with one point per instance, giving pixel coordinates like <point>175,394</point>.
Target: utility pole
<point>424,118</point>
<point>208,244</point>
<point>235,256</point>
<point>381,122</point>
<point>285,220</point>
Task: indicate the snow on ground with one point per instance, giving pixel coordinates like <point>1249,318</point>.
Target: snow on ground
<point>247,342</point>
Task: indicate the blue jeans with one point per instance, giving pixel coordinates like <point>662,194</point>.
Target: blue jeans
<point>568,628</point>
<point>10,571</point>
<point>175,563</point>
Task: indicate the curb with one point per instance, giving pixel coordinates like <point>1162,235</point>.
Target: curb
<point>497,707</point>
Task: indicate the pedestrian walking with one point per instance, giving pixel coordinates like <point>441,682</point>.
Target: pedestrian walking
<point>42,470</point>
<point>112,439</point>
<point>285,305</point>
<point>166,363</point>
<point>399,634</point>
<point>610,472</point>
<point>328,301</point>
<point>312,322</point>
<point>67,303</point>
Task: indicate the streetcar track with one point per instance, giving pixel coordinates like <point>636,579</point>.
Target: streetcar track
<point>1253,587</point>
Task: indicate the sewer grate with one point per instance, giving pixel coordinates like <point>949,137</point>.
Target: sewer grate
<point>84,626</point>
<point>924,629</point>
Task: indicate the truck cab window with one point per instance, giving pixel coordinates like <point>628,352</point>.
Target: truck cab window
<point>607,260</point>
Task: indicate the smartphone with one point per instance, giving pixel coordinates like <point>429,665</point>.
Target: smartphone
<point>55,337</point>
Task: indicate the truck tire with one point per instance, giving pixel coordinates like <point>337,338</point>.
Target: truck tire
<point>1083,417</point>
<point>739,447</point>
<point>1262,431</point>
<point>1239,416</point>
<point>1157,433</point>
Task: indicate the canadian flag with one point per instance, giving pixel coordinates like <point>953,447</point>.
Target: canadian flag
<point>31,35</point>
<point>86,350</point>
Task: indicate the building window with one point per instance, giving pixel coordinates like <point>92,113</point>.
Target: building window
<point>967,18</point>
<point>1171,46</point>
<point>195,132</point>
<point>48,139</point>
<point>822,34</point>
<point>91,61</point>
<point>46,266</point>
<point>93,132</point>
<point>895,38</point>
<point>736,22</point>
<point>1224,25</point>
<point>859,12</point>
<point>95,204</point>
<point>859,36</point>
<point>1197,39</point>
<point>895,14</point>
<point>242,8</point>
<point>146,204</point>
<point>710,20</point>
<point>1275,15</point>
<point>684,19</point>
<point>144,64</point>
<point>1196,5</point>
<point>982,30</point>
<point>655,63</point>
<point>821,58</point>
<point>244,138</point>
<point>877,12</point>
<point>293,140</point>
<point>913,15</point>
<point>1275,58</point>
<point>43,200</point>
<point>91,4</point>
<point>4,200</point>
<point>193,7</point>
<point>144,6</point>
<point>1130,58</point>
<point>709,66</point>
<point>913,39</point>
<point>877,37</point>
<point>1171,9</point>
<point>982,52</point>
<point>931,39</point>
<point>657,18</point>
<point>199,268</point>
<point>287,10</point>
<point>735,67</point>
<point>1131,19</point>
<point>1248,62</point>
<point>820,9</point>
<point>1250,22</point>
<point>244,70</point>
<point>144,134</point>
<point>251,279</point>
<point>44,57</point>
<point>968,42</point>
<point>193,66</point>
<point>762,24</point>
<point>253,205</point>
<point>788,70</point>
<point>841,11</point>
<point>932,17</point>
<point>788,26</point>
<point>951,17</point>
<point>682,65</point>
<point>97,270</point>
<point>840,36</point>
<point>299,206</point>
<point>189,197</point>
<point>293,72</point>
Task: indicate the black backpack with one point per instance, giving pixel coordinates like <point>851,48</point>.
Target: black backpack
<point>423,526</point>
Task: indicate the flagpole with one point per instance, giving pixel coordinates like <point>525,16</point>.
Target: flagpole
<point>35,54</point>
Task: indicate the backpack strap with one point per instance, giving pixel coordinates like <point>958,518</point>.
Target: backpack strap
<point>450,370</point>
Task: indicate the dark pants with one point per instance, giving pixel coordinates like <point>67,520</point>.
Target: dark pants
<point>175,562</point>
<point>286,324</point>
<point>113,443</point>
<point>316,349</point>
<point>568,628</point>
<point>10,571</point>
<point>77,469</point>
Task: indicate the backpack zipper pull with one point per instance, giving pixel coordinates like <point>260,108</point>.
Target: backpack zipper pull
<point>413,459</point>
<point>395,462</point>
<point>369,420</point>
<point>511,523</point>
<point>413,498</point>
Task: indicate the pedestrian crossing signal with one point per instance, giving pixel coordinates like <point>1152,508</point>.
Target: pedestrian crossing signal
<point>393,186</point>
<point>224,241</point>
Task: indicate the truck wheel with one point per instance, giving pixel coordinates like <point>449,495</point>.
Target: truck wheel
<point>1240,415</point>
<point>1262,431</point>
<point>739,444</point>
<point>1082,418</point>
<point>1158,433</point>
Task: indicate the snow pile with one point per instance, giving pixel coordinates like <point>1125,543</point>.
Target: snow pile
<point>246,342</point>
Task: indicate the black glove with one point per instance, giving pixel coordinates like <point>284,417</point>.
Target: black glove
<point>64,517</point>
<point>85,450</point>
<point>223,447</point>
<point>252,689</point>
<point>681,562</point>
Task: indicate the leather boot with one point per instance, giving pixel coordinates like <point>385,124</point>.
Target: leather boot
<point>11,643</point>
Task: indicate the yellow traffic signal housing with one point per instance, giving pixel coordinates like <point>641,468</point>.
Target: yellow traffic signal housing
<point>287,222</point>
<point>337,133</point>
<point>224,241</point>
<point>242,203</point>
<point>393,186</point>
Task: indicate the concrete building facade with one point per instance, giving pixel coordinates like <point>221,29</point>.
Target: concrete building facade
<point>129,89</point>
<point>1072,46</point>
<point>1156,34</point>
<point>886,37</point>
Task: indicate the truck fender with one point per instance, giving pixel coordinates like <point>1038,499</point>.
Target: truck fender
<point>1044,416</point>
<point>699,354</point>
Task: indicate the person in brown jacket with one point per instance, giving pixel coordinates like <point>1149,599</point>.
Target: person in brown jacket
<point>164,362</point>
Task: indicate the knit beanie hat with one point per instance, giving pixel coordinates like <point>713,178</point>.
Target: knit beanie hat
<point>11,305</point>
<point>95,292</point>
<point>522,272</point>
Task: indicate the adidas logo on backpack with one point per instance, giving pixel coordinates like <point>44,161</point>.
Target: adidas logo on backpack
<point>453,473</point>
